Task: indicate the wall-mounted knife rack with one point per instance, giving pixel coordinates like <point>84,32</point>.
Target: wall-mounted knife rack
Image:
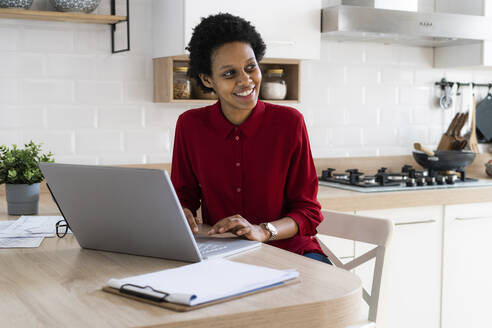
<point>445,83</point>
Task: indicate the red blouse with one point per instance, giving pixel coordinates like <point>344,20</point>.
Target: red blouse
<point>262,169</point>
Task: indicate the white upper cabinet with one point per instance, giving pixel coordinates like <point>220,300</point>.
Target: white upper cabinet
<point>478,54</point>
<point>468,7</point>
<point>290,28</point>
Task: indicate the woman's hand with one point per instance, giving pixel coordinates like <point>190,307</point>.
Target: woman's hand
<point>241,227</point>
<point>192,221</point>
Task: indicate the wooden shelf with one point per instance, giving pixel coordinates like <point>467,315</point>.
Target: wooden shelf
<point>14,13</point>
<point>163,79</point>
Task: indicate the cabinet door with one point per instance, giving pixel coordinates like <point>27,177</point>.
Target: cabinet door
<point>467,275</point>
<point>290,28</point>
<point>411,286</point>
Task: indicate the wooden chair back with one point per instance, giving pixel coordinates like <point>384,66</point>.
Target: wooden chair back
<point>373,231</point>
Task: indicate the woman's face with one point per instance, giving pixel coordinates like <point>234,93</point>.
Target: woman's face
<point>236,76</point>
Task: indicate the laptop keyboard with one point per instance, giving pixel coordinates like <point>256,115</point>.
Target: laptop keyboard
<point>210,247</point>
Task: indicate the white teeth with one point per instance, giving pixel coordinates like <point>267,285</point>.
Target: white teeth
<point>245,93</point>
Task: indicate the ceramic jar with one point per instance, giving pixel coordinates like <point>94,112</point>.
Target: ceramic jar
<point>26,4</point>
<point>85,6</point>
<point>273,86</point>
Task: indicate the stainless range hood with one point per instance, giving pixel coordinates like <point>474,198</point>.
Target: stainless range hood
<point>428,29</point>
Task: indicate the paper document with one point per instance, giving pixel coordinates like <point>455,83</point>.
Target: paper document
<point>27,231</point>
<point>32,226</point>
<point>5,224</point>
<point>7,242</point>
<point>24,242</point>
<point>205,281</point>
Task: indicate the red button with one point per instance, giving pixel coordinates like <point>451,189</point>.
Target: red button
<point>238,189</point>
<point>238,164</point>
<point>237,138</point>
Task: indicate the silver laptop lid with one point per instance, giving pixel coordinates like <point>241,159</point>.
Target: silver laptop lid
<point>127,210</point>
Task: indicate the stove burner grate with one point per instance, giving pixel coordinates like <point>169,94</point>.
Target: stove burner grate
<point>409,177</point>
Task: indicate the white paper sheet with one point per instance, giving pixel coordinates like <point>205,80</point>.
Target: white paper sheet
<point>5,224</point>
<point>32,226</point>
<point>22,242</point>
<point>208,280</point>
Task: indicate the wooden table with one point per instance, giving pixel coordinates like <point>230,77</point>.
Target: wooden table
<point>59,285</point>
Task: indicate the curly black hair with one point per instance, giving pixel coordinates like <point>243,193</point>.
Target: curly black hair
<point>214,31</point>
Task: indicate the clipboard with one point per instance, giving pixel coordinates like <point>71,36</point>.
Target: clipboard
<point>185,308</point>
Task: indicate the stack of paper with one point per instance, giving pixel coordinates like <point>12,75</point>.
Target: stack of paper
<point>27,231</point>
<point>205,281</point>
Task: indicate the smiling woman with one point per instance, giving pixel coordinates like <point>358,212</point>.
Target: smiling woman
<point>236,79</point>
<point>224,55</point>
<point>247,163</point>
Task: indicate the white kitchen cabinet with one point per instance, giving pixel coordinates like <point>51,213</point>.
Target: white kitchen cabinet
<point>475,55</point>
<point>468,7</point>
<point>344,249</point>
<point>467,269</point>
<point>290,28</point>
<point>411,289</point>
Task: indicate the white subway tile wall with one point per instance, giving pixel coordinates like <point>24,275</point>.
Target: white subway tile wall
<point>60,85</point>
<point>8,91</point>
<point>8,36</point>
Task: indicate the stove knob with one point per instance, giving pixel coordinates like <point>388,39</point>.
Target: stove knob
<point>431,181</point>
<point>450,179</point>
<point>420,181</point>
<point>410,182</point>
<point>441,180</point>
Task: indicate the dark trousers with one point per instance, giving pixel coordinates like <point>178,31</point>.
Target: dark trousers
<point>317,257</point>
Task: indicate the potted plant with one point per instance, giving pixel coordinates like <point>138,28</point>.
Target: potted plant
<point>20,172</point>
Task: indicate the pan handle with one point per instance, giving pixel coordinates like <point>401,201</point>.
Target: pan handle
<point>426,150</point>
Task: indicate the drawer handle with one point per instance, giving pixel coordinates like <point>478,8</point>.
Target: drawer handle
<point>474,218</point>
<point>416,222</point>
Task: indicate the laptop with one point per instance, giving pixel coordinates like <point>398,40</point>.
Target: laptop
<point>130,210</point>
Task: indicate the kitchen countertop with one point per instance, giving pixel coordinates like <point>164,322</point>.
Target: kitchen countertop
<point>347,201</point>
<point>344,200</point>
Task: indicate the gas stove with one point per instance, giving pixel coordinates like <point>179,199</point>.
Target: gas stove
<point>407,179</point>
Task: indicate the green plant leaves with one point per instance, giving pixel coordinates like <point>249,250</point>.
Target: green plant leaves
<point>12,174</point>
<point>20,166</point>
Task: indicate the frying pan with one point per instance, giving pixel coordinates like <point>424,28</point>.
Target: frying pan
<point>444,160</point>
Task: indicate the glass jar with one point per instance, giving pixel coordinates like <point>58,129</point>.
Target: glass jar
<point>198,93</point>
<point>181,83</point>
<point>273,86</point>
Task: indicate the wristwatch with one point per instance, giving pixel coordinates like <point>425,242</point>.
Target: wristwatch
<point>272,229</point>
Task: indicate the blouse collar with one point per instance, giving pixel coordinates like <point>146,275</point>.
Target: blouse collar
<point>248,127</point>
